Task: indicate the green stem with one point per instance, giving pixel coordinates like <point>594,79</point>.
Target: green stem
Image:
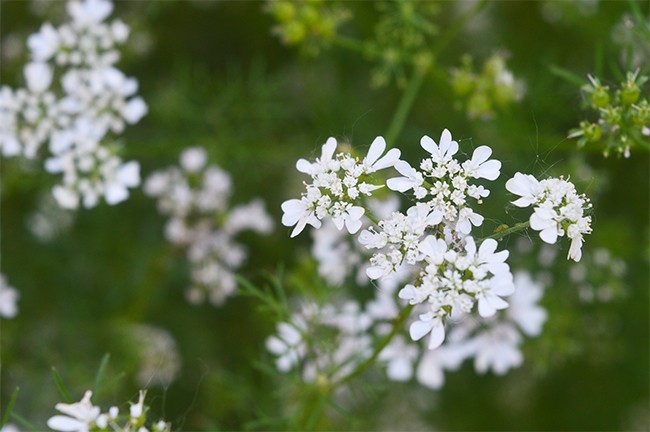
<point>405,104</point>
<point>398,324</point>
<point>502,233</point>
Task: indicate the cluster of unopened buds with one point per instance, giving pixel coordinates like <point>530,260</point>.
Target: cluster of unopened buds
<point>195,197</point>
<point>439,268</point>
<point>623,116</point>
<point>75,99</point>
<point>84,416</point>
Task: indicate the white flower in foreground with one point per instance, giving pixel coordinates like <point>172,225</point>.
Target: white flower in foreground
<point>480,167</point>
<point>8,299</point>
<point>558,209</point>
<point>411,179</point>
<point>428,323</point>
<point>299,212</point>
<point>339,182</point>
<point>80,416</point>
<point>374,162</point>
<point>443,152</point>
<point>526,186</point>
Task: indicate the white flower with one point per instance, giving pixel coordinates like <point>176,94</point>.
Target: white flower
<point>498,349</point>
<point>372,161</point>
<point>299,212</point>
<point>8,299</point>
<point>126,176</point>
<point>428,323</point>
<point>137,410</point>
<point>526,186</point>
<point>350,217</point>
<point>524,309</point>
<point>323,163</point>
<point>193,159</point>
<point>411,178</point>
<point>89,12</point>
<point>443,152</point>
<point>399,356</point>
<point>38,76</point>
<point>44,44</point>
<point>79,416</point>
<point>480,167</point>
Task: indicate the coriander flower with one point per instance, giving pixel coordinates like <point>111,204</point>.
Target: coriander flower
<point>558,209</point>
<point>339,181</point>
<point>80,416</point>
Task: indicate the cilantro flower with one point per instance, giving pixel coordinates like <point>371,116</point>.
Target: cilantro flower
<point>338,182</point>
<point>558,209</point>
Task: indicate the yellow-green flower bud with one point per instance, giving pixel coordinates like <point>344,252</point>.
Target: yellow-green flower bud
<point>600,96</point>
<point>591,131</point>
<point>630,93</point>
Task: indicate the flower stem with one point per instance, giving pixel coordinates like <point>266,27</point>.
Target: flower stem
<point>505,232</point>
<point>398,324</point>
<point>405,104</point>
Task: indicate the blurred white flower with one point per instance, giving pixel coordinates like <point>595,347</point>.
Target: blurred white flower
<point>80,416</point>
<point>8,299</point>
<point>195,197</point>
<point>74,98</point>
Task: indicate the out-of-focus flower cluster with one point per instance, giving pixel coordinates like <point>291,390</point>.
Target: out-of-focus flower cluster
<point>403,38</point>
<point>83,416</point>
<point>623,116</point>
<point>8,299</point>
<point>558,209</point>
<point>195,197</point>
<point>74,100</point>
<point>328,342</point>
<point>158,355</point>
<point>323,342</point>
<point>309,23</point>
<point>482,94</point>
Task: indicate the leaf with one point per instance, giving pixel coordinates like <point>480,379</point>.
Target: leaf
<point>61,386</point>
<point>101,371</point>
<point>10,407</point>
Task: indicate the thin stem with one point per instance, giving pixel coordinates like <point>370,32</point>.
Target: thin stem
<point>398,323</point>
<point>405,104</point>
<point>513,229</point>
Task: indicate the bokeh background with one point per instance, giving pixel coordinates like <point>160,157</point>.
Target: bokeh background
<point>213,74</point>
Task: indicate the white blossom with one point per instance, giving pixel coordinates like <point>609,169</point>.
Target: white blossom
<point>8,299</point>
<point>558,209</point>
<point>195,197</point>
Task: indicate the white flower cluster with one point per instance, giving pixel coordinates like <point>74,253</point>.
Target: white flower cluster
<point>433,237</point>
<point>195,197</point>
<point>558,209</point>
<point>338,183</point>
<point>74,98</point>
<point>8,299</point>
<point>83,416</point>
<point>324,341</point>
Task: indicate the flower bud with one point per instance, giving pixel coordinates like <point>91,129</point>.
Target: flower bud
<point>630,93</point>
<point>600,96</point>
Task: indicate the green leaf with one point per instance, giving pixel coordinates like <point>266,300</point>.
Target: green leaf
<point>101,371</point>
<point>61,386</point>
<point>10,407</point>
